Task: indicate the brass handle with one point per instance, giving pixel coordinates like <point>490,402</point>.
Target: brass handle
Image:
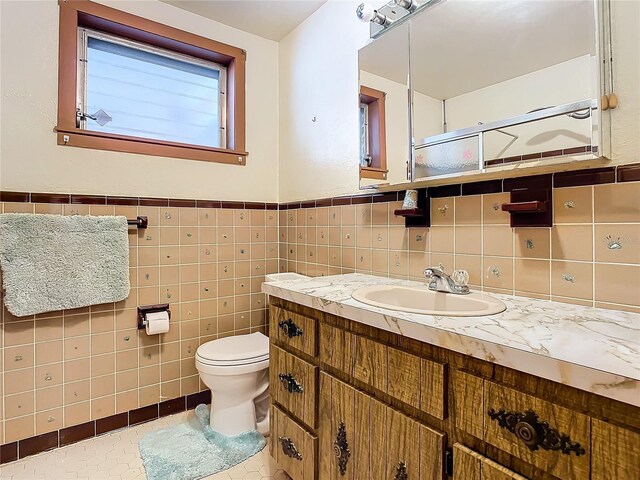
<point>401,472</point>
<point>534,433</point>
<point>289,448</point>
<point>290,383</point>
<point>341,449</point>
<point>289,328</point>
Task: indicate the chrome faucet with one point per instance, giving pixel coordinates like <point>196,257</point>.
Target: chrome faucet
<point>441,282</point>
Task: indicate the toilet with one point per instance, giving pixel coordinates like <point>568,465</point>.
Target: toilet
<point>236,370</point>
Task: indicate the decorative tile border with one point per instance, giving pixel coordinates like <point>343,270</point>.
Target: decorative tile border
<point>546,155</point>
<point>59,198</point>
<point>595,176</point>
<point>11,452</point>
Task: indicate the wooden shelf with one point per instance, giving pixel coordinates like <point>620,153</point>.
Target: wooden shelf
<point>530,207</point>
<point>525,207</point>
<point>409,212</point>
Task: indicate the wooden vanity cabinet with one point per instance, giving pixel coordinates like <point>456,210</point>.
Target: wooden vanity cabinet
<point>353,402</point>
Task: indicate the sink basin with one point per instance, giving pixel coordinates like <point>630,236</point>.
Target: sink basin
<point>427,302</point>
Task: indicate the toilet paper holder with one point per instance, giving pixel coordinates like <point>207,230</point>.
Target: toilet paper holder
<point>143,311</point>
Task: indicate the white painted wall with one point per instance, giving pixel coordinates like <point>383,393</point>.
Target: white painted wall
<point>625,120</point>
<point>30,160</point>
<point>319,78</point>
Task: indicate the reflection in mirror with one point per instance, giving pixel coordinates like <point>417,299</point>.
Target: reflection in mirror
<point>384,108</point>
<point>483,75</point>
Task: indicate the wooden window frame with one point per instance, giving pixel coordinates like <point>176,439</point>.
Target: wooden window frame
<point>83,13</point>
<point>377,133</point>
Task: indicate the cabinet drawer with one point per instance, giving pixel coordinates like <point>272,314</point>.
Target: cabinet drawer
<point>293,384</point>
<point>292,446</point>
<point>516,423</point>
<point>470,465</point>
<point>295,330</point>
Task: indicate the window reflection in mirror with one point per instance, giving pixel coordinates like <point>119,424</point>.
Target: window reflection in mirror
<point>474,63</point>
<point>384,108</point>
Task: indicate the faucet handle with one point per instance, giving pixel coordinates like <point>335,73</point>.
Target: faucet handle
<point>460,277</point>
<point>433,271</point>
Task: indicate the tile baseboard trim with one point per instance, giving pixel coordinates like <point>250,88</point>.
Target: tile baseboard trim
<point>596,176</point>
<point>26,447</point>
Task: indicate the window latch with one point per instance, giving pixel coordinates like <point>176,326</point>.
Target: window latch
<point>100,117</point>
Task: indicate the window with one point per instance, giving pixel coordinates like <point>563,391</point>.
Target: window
<point>131,85</point>
<point>373,149</point>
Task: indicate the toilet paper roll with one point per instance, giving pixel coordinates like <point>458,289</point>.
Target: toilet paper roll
<point>157,322</point>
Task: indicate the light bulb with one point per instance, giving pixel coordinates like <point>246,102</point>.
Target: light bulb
<point>365,12</point>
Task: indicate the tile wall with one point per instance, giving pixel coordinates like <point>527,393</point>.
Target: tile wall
<point>67,368</point>
<point>63,369</point>
<point>591,256</point>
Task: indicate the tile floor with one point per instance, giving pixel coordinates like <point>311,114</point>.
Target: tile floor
<point>116,456</point>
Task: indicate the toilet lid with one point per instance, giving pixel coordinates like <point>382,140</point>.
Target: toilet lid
<point>240,349</point>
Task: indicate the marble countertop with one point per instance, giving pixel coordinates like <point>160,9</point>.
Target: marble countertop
<point>592,349</point>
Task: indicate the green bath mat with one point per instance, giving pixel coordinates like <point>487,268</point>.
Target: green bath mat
<point>192,450</point>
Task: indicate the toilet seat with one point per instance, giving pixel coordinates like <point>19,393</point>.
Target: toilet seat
<point>234,355</point>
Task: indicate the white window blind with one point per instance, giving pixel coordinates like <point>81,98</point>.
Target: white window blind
<point>129,88</point>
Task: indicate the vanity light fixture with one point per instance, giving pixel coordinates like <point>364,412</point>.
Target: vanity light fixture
<point>367,13</point>
<point>409,5</point>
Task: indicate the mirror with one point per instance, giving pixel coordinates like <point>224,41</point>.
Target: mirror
<point>495,85</point>
<point>484,75</point>
<point>384,109</point>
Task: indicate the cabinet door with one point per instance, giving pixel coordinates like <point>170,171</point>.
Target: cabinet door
<point>615,452</point>
<point>470,465</point>
<point>340,447</point>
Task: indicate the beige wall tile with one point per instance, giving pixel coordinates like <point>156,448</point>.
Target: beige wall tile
<point>617,283</point>
<point>497,240</point>
<point>442,211</point>
<point>418,262</point>
<point>19,428</point>
<point>441,239</point>
<point>18,405</point>
<point>75,370</point>
<point>443,260</point>
<point>572,279</point>
<point>473,265</point>
<point>48,375</point>
<point>49,398</point>
<point>492,213</point>
<point>77,414</point>
<point>48,329</point>
<point>617,203</point>
<point>532,242</point>
<point>49,421</point>
<point>18,381</point>
<point>468,240</point>
<point>617,243</point>
<point>572,242</point>
<point>49,352</point>
<point>573,205</point>
<point>532,276</point>
<point>498,272</point>
<point>468,210</point>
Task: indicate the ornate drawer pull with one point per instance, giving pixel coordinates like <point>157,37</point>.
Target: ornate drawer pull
<point>289,448</point>
<point>401,472</point>
<point>290,383</point>
<point>290,328</point>
<point>534,433</point>
<point>341,449</point>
